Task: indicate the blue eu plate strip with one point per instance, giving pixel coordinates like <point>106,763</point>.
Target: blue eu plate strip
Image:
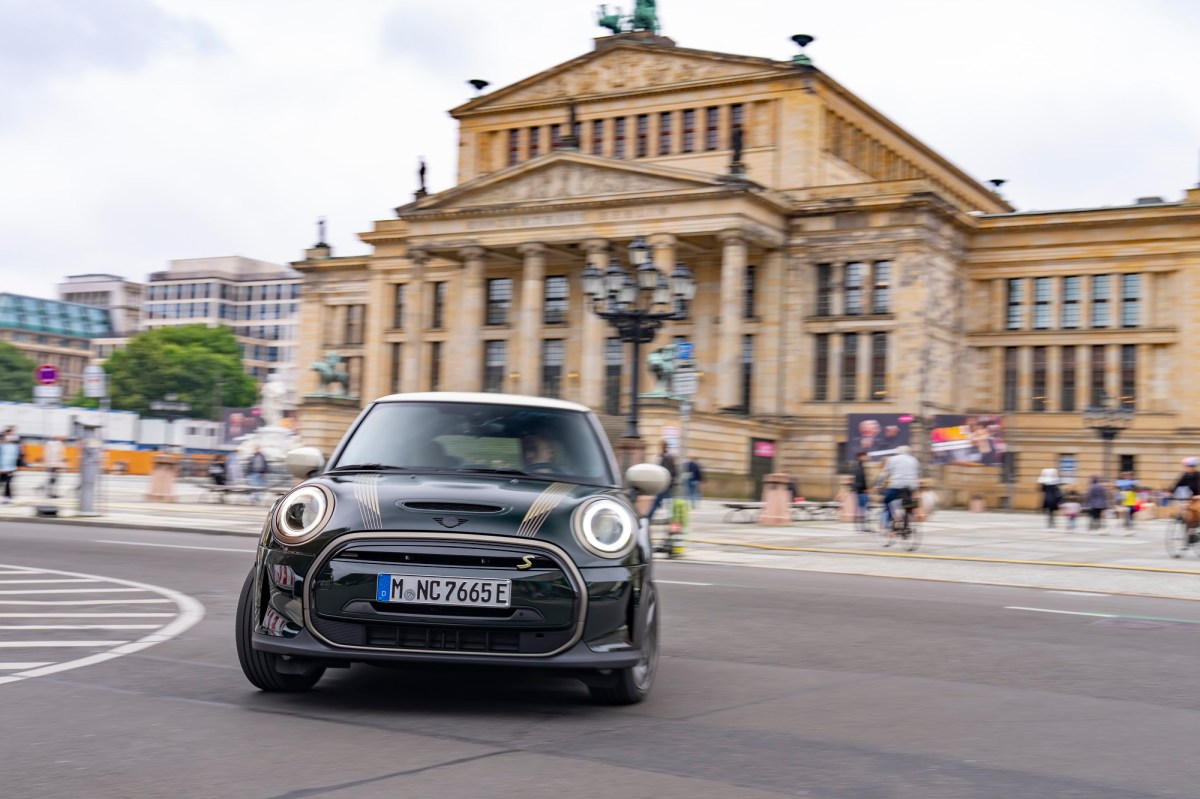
<point>383,587</point>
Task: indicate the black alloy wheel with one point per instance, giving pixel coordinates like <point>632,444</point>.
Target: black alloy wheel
<point>631,685</point>
<point>262,668</point>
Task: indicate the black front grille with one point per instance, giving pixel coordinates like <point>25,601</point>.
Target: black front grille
<point>451,507</point>
<point>453,639</point>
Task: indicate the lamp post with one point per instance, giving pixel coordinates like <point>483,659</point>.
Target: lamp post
<point>636,302</point>
<point>1108,421</point>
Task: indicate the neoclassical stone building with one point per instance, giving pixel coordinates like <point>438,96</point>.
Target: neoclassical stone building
<point>843,268</point>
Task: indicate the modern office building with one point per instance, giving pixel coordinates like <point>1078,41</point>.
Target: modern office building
<point>257,299</point>
<point>850,279</point>
<point>120,296</point>
<point>54,333</point>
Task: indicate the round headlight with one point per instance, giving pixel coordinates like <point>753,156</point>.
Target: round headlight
<point>605,527</point>
<point>302,514</point>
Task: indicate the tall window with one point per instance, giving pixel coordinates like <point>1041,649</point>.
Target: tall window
<point>664,132</point>
<point>853,288</point>
<point>598,136</point>
<point>1099,367</point>
<point>749,292</point>
<point>849,366</point>
<point>554,307</point>
<point>1016,303</point>
<point>881,292</point>
<point>514,147</point>
<point>435,366</point>
<point>1068,379</point>
<point>824,289</point>
<point>689,130</point>
<point>1072,291</point>
<point>556,133</point>
<point>1042,295</point>
<point>397,366</point>
<point>398,306</point>
<point>821,367</point>
<point>499,299</point>
<point>737,116</point>
<point>1131,289</point>
<point>438,317</point>
<point>354,324</point>
<point>494,362</point>
<point>712,116</point>
<point>619,137</point>
<point>614,355</point>
<point>1128,375</point>
<point>879,357</point>
<point>1039,379</point>
<point>747,372</point>
<point>553,354</point>
<point>1010,378</point>
<point>535,141</point>
<point>641,143</point>
<point>1101,288</point>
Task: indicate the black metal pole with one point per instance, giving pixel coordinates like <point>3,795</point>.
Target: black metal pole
<point>633,400</point>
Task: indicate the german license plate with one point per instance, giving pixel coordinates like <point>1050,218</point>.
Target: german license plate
<point>463,592</point>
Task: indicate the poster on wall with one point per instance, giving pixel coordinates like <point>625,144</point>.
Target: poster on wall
<point>877,434</point>
<point>239,422</point>
<point>968,440</point>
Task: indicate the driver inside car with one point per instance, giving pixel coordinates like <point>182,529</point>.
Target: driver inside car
<point>539,452</point>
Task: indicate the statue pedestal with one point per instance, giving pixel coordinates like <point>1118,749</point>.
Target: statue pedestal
<point>324,419</point>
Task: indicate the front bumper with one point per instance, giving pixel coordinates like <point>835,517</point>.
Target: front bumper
<point>561,616</point>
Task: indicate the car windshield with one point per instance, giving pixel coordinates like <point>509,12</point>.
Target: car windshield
<point>473,437</point>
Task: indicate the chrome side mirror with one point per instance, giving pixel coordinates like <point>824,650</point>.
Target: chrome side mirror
<point>647,478</point>
<point>304,462</point>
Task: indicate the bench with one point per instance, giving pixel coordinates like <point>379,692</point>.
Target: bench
<point>742,512</point>
<point>802,511</point>
<point>216,493</point>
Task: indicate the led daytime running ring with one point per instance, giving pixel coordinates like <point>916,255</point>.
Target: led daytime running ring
<point>324,500</point>
<point>586,514</point>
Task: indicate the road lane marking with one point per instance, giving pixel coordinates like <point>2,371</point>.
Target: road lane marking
<point>19,591</point>
<point>1106,615</point>
<point>190,612</point>
<point>21,666</point>
<point>79,626</point>
<point>48,580</point>
<point>1077,593</point>
<point>680,582</point>
<point>44,644</point>
<point>86,615</point>
<point>176,546</point>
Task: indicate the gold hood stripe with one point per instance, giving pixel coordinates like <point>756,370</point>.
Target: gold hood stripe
<point>366,492</point>
<point>540,510</point>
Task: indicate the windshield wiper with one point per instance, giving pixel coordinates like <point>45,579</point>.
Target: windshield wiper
<point>493,470</point>
<point>364,467</point>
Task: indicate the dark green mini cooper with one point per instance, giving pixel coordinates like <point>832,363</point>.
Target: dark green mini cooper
<point>458,528</point>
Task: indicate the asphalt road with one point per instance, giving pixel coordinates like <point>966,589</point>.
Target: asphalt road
<point>773,683</point>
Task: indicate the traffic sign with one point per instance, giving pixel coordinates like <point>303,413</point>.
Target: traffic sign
<point>46,375</point>
<point>685,383</point>
<point>47,395</point>
<point>684,351</point>
<point>95,381</point>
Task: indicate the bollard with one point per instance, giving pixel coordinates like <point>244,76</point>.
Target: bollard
<point>777,499</point>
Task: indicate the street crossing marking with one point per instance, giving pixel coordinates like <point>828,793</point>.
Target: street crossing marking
<point>1105,615</point>
<point>79,626</point>
<point>84,602</point>
<point>74,591</point>
<point>49,580</point>
<point>175,546</point>
<point>43,644</point>
<point>21,666</point>
<point>86,615</point>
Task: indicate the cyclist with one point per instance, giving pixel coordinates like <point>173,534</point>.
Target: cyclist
<point>901,476</point>
<point>1187,490</point>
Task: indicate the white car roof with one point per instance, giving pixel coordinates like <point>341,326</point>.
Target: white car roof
<point>486,399</point>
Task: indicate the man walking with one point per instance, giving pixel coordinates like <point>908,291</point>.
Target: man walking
<point>10,461</point>
<point>667,461</point>
<point>257,471</point>
<point>695,476</point>
<point>862,490</point>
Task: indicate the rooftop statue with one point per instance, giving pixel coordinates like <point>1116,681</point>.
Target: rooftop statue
<point>334,379</point>
<point>643,18</point>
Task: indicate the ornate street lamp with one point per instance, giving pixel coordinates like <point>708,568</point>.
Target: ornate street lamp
<point>1108,420</point>
<point>636,302</point>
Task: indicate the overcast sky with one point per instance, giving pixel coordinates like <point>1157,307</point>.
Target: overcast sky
<point>133,132</point>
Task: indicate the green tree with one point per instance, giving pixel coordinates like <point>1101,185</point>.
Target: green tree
<point>200,365</point>
<point>16,374</point>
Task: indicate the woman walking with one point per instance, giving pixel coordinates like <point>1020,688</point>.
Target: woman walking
<point>1097,502</point>
<point>1051,494</point>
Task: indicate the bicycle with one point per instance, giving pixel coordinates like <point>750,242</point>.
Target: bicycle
<point>902,528</point>
<point>1181,536</point>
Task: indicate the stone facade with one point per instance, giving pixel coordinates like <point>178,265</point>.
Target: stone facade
<point>852,270</point>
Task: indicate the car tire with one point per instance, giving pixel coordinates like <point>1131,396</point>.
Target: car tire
<point>631,685</point>
<point>261,668</point>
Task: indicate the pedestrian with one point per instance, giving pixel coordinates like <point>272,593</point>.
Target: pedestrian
<point>1127,498</point>
<point>862,490</point>
<point>695,476</point>
<point>1097,502</point>
<point>1071,506</point>
<point>927,501</point>
<point>667,461</point>
<point>257,468</point>
<point>1051,493</point>
<point>10,461</point>
<point>54,460</point>
<point>218,470</point>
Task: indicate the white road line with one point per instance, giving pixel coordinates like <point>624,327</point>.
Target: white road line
<point>19,591</point>
<point>1066,612</point>
<point>79,626</point>
<point>84,602</point>
<point>86,615</point>
<point>175,546</point>
<point>21,666</point>
<point>680,582</point>
<point>49,580</point>
<point>42,644</point>
<point>1077,593</point>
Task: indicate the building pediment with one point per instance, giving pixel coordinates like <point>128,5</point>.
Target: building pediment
<point>565,177</point>
<point>626,67</point>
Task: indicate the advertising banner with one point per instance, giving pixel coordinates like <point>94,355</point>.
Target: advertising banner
<point>877,434</point>
<point>239,422</point>
<point>961,440</point>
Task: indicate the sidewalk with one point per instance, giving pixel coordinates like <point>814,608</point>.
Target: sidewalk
<point>990,548</point>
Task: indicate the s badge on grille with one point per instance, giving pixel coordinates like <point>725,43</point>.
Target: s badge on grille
<point>449,522</point>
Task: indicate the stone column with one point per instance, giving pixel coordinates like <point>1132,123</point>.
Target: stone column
<point>591,366</point>
<point>376,353</point>
<point>529,318</point>
<point>466,373</point>
<point>729,337</point>
<point>662,255</point>
<point>771,345</point>
<point>413,378</point>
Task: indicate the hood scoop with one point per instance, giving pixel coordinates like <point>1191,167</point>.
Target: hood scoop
<point>449,507</point>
